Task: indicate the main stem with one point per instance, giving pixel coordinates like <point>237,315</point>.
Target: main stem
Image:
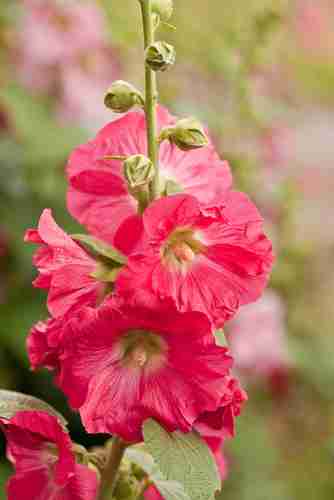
<point>110,472</point>
<point>151,98</point>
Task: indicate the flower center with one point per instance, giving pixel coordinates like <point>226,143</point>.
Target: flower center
<point>181,248</point>
<point>142,349</point>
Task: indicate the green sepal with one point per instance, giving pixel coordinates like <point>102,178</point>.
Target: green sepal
<point>100,248</point>
<point>220,337</point>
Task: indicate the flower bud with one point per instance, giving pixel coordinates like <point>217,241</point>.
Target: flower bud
<point>122,96</point>
<point>160,56</point>
<point>163,8</point>
<point>187,134</point>
<point>138,171</point>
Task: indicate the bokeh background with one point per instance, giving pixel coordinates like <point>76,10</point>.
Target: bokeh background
<point>260,73</point>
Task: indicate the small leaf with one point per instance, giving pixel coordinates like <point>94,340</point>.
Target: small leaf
<point>220,338</point>
<point>183,458</point>
<point>172,187</point>
<point>104,273</point>
<point>11,402</point>
<point>170,490</point>
<point>100,247</point>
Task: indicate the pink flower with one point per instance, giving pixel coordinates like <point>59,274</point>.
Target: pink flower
<point>211,261</point>
<point>70,28</point>
<point>215,426</point>
<point>98,195</point>
<point>45,466</point>
<point>44,343</point>
<point>64,268</point>
<point>152,494</point>
<point>83,85</point>
<point>257,337</point>
<point>126,364</point>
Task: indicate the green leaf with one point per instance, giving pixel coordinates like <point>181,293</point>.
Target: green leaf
<point>11,402</point>
<point>170,490</point>
<point>100,247</point>
<point>220,338</point>
<point>105,273</point>
<point>183,458</point>
<point>172,187</point>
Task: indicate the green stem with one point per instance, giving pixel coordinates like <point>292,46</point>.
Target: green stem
<point>151,97</point>
<point>110,472</point>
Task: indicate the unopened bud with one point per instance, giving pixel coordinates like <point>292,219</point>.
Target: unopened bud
<point>187,134</point>
<point>122,96</point>
<point>163,8</point>
<point>138,171</point>
<point>160,56</point>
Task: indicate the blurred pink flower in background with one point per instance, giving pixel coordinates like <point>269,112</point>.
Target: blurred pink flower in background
<point>276,146</point>
<point>314,26</point>
<point>63,50</point>
<point>257,338</point>
<point>83,87</point>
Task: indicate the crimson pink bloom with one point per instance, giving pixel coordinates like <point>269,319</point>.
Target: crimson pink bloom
<point>126,364</point>
<point>45,466</point>
<point>257,337</point>
<point>64,268</point>
<point>211,261</point>
<point>44,343</point>
<point>98,195</point>
<point>215,426</point>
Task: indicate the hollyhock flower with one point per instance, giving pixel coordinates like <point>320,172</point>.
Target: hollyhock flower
<point>70,28</point>
<point>44,462</point>
<point>82,86</point>
<point>98,195</point>
<point>211,261</point>
<point>64,268</point>
<point>126,364</point>
<point>44,343</point>
<point>216,426</point>
<point>276,145</point>
<point>257,337</point>
<point>314,27</point>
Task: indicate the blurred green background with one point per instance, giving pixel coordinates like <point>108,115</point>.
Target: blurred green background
<point>260,73</point>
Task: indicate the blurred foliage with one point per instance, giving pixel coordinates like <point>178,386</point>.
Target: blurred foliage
<point>241,68</point>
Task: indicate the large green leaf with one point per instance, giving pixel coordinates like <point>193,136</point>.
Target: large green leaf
<point>183,458</point>
<point>11,402</point>
<point>170,490</point>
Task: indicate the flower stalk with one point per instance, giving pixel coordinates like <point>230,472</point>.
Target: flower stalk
<point>151,96</point>
<point>109,477</point>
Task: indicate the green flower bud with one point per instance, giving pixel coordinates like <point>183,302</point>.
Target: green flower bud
<point>138,171</point>
<point>187,134</point>
<point>122,96</point>
<point>160,56</point>
<point>163,8</point>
